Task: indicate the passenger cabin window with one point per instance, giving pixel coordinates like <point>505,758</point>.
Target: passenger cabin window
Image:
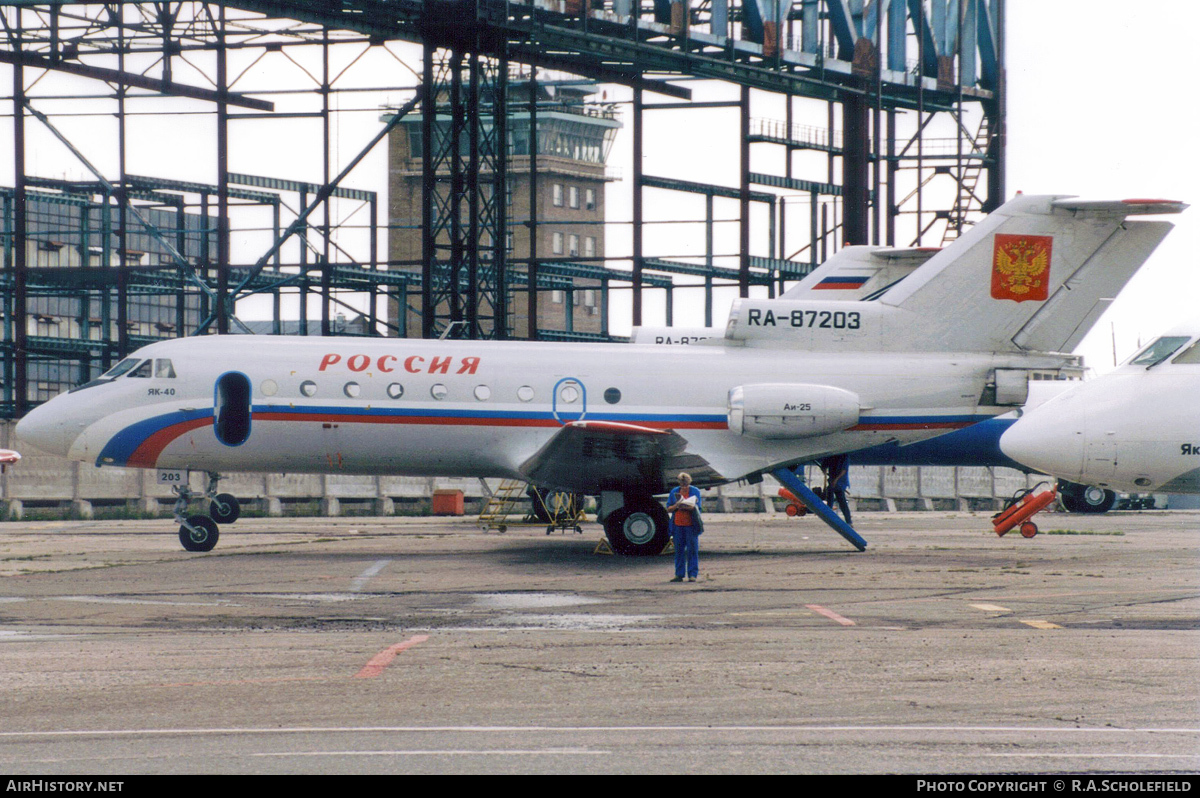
<point>163,368</point>
<point>143,370</point>
<point>1159,351</point>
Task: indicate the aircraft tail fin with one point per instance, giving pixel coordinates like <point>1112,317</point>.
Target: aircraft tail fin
<point>1034,275</point>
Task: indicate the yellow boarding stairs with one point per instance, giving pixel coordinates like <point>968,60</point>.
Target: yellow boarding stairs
<point>557,509</point>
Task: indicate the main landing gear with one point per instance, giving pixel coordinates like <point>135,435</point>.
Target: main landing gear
<point>200,532</point>
<point>638,527</point>
<point>1085,498</point>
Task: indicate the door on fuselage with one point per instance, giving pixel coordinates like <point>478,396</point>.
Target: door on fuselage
<point>570,400</point>
<point>1101,462</point>
<point>232,412</point>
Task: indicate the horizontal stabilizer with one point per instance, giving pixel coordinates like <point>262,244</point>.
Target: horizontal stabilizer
<point>1128,207</point>
<point>859,272</point>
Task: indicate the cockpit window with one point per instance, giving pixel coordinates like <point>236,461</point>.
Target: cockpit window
<point>119,369</point>
<point>1159,351</point>
<point>1189,356</point>
<point>129,367</point>
<point>163,368</point>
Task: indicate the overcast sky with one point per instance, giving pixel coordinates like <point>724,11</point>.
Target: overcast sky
<point>1100,106</point>
<point>1097,106</point>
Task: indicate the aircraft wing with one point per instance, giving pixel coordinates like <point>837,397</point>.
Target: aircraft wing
<point>594,456</point>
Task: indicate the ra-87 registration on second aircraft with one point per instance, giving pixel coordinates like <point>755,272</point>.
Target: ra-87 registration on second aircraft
<point>956,342</point>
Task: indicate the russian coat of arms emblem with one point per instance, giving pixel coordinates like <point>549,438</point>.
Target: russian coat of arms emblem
<point>1021,267</point>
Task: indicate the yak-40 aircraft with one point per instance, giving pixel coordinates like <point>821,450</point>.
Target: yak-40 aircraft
<point>1134,429</point>
<point>792,380</point>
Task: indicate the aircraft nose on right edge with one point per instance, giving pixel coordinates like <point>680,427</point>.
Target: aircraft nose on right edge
<point>44,428</point>
<point>1046,442</point>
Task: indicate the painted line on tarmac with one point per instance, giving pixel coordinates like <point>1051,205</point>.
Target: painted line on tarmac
<point>451,752</point>
<point>384,658</point>
<point>1091,756</point>
<point>361,580</point>
<point>991,608</point>
<point>1038,624</point>
<point>830,614</point>
<point>818,729</point>
<point>278,680</point>
<point>24,636</point>
<point>139,601</point>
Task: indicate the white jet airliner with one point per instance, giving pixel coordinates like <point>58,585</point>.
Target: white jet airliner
<point>955,343</point>
<point>1134,429</point>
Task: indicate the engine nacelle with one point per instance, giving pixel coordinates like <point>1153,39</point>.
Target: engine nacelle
<point>788,410</point>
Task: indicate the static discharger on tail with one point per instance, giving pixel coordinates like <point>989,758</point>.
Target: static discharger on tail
<point>790,381</point>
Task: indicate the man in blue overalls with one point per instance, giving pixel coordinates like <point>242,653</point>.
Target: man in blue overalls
<point>683,506</point>
<point>837,481</point>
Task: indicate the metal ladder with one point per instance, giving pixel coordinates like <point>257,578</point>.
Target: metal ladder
<point>967,199</point>
<point>500,504</point>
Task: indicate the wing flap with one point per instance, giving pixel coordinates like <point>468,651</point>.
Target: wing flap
<point>595,456</point>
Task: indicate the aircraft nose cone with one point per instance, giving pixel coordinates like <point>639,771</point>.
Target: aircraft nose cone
<point>1046,442</point>
<point>44,429</point>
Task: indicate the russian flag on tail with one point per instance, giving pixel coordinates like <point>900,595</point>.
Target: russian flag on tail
<point>840,283</point>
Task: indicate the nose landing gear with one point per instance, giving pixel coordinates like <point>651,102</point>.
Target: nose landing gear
<point>200,532</point>
<point>224,508</point>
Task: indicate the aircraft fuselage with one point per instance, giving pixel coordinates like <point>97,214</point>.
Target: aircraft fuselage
<point>476,408</point>
<point>1136,429</point>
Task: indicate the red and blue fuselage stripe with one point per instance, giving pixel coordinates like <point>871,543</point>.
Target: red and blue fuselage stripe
<point>139,445</point>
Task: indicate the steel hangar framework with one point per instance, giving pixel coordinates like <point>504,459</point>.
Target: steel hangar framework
<point>858,122</point>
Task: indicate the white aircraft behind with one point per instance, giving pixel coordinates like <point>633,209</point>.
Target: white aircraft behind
<point>1134,429</point>
<point>955,343</point>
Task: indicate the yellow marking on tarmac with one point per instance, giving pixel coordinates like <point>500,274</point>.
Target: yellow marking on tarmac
<point>991,608</point>
<point>1041,624</point>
